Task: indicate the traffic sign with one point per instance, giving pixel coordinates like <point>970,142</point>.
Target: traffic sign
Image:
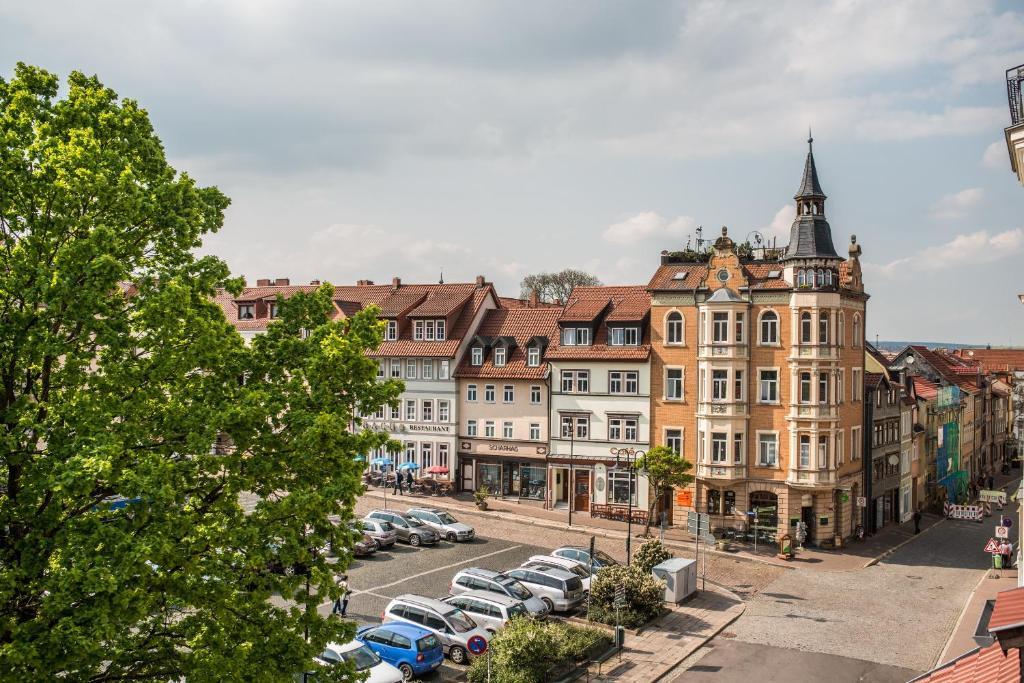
<point>1002,532</point>
<point>698,523</point>
<point>862,502</point>
<point>1007,521</point>
<point>620,596</point>
<point>992,546</point>
<point>477,645</point>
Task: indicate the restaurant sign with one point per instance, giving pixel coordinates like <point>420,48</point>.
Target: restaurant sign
<point>394,426</point>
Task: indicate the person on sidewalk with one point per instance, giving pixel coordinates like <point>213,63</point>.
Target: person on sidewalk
<point>1004,550</point>
<point>917,521</point>
<point>991,482</point>
<point>409,480</point>
<point>341,604</point>
<point>398,482</point>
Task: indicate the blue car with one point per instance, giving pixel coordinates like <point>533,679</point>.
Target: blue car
<point>412,649</point>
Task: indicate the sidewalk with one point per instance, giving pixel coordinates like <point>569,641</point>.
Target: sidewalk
<point>857,554</point>
<point>962,639</point>
<point>661,646</point>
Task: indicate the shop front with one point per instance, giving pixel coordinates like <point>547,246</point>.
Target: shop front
<point>508,469</point>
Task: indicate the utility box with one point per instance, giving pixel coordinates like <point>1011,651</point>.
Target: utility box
<point>680,577</point>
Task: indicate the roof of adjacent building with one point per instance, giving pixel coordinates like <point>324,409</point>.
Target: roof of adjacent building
<point>761,275</point>
<point>954,370</point>
<point>872,380</point>
<point>995,360</point>
<point>924,388</point>
<point>1008,612</point>
<point>604,304</point>
<point>523,325</point>
<point>980,665</point>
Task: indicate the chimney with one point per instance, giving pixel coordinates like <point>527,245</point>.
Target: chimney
<point>314,282</point>
<point>263,282</point>
<point>282,282</point>
<point>480,280</point>
<point>396,282</point>
<point>533,298</point>
<point>557,302</point>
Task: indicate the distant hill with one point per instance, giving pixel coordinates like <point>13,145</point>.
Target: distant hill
<point>900,345</point>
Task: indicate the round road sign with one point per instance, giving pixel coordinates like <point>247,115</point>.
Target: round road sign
<point>477,645</point>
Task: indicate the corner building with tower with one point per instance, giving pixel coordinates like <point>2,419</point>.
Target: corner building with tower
<point>757,372</point>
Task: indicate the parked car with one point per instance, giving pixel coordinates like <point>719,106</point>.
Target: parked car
<point>442,522</point>
<point>476,579</point>
<point>549,561</point>
<point>382,532</point>
<point>582,555</point>
<point>365,545</point>
<point>490,610</point>
<point>559,589</point>
<point>453,626</point>
<point>409,529</point>
<point>414,650</point>
<point>365,660</point>
<point>278,566</point>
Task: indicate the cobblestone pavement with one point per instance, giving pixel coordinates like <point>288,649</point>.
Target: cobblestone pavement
<point>899,612</point>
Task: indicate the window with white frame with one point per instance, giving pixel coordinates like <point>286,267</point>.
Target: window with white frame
<point>576,336</point>
<point>737,448</point>
<point>857,388</point>
<point>442,455</point>
<point>674,384</point>
<point>838,448</point>
<point>857,339</point>
<point>805,450</point>
<point>623,336</point>
<point>476,356</point>
<point>509,394</point>
<point>442,371</point>
<point>488,393</point>
<point>246,312</point>
<point>769,327</point>
<point>428,369</point>
<point>471,428</point>
<point>428,330</point>
<point>674,328</point>
<point>622,429</point>
<point>768,386</point>
<point>410,368</point>
<point>768,450</point>
<point>428,410</point>
<point>674,440</point>
<point>381,369</point>
<point>534,431</point>
<point>856,443</point>
<point>471,392</point>
<point>806,328</point>
<point>392,330</point>
<point>719,447</point>
<point>426,454</point>
<point>506,430</point>
<point>499,356</point>
<point>805,387</point>
<point>738,393</point>
<point>535,395</point>
<point>622,382</point>
<point>823,451</point>
<point>575,381</point>
<point>489,429</point>
<point>396,368</point>
<point>719,385</point>
<point>740,319</point>
<point>533,356</point>
<point>621,487</point>
<point>823,327</point>
<point>840,329</point>
<point>823,388</point>
<point>581,424</point>
<point>410,410</point>
<point>396,412</point>
<point>443,411</point>
<point>379,413</point>
<point>440,331</point>
<point>417,330</point>
<point>720,327</point>
<point>410,451</point>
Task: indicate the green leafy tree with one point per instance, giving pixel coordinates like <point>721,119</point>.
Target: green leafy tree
<point>644,595</point>
<point>665,469</point>
<point>650,554</point>
<point>110,390</point>
<point>555,286</point>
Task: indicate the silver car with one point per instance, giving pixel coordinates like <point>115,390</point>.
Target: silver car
<point>560,590</point>
<point>409,529</point>
<point>476,579</point>
<point>382,532</point>
<point>490,610</point>
<point>551,562</point>
<point>442,522</point>
<point>450,624</point>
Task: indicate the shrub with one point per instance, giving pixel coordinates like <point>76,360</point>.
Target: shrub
<point>650,554</point>
<point>529,651</point>
<point>644,596</point>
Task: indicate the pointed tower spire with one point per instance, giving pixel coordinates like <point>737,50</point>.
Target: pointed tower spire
<point>810,236</point>
<point>809,185</point>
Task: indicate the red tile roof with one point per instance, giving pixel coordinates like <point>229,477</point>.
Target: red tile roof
<point>980,665</point>
<point>683,276</point>
<point>925,389</point>
<point>628,303</point>
<point>1008,612</point>
<point>759,275</point>
<point>523,324</point>
<point>995,360</point>
<point>582,310</point>
<point>949,368</point>
<point>872,379</point>
<point>511,302</point>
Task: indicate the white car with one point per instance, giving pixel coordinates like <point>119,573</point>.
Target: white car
<point>568,565</point>
<point>487,609</point>
<point>365,660</point>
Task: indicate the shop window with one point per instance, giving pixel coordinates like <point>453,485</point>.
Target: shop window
<point>714,502</point>
<point>621,488</point>
<point>729,501</point>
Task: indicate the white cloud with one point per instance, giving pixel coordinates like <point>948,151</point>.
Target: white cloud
<point>647,225</point>
<point>995,155</point>
<point>957,205</point>
<point>969,249</point>
<point>778,229</point>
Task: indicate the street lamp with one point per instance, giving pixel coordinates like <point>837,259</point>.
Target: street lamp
<point>628,452</point>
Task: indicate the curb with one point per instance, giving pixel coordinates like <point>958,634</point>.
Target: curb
<point>875,560</point>
<point>699,644</point>
<point>956,626</point>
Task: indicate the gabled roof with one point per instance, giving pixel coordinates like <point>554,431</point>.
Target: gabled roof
<point>678,276</point>
<point>873,379</point>
<point>627,303</point>
<point>924,388</point>
<point>583,310</point>
<point>1008,612</point>
<point>995,360</point>
<point>980,665</point>
<point>522,325</point>
<point>948,369</point>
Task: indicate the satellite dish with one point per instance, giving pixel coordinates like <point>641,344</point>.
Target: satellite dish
<point>755,238</point>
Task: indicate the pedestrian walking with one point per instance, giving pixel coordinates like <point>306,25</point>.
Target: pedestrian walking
<point>398,482</point>
<point>1005,549</point>
<point>409,480</point>
<point>341,603</point>
<point>991,482</point>
<point>917,521</point>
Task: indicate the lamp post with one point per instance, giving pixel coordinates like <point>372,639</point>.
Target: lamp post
<point>572,449</point>
<point>629,453</point>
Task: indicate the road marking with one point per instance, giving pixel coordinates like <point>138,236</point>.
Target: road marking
<point>373,590</point>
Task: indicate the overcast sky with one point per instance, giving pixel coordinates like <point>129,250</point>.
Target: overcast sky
<point>373,139</point>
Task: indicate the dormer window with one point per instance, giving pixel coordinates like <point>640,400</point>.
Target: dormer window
<point>428,330</point>
<point>245,312</point>
<point>439,329</point>
<point>576,336</point>
<point>272,309</point>
<point>391,333</point>
<point>533,356</point>
<point>499,356</point>
<point>476,356</point>
<point>623,336</point>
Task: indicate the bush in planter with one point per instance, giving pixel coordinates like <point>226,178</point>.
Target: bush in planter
<point>528,651</point>
<point>480,495</point>
<point>650,554</point>
<point>644,596</point>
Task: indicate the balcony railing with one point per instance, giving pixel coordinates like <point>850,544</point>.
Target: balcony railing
<point>722,409</point>
<point>814,352</point>
<point>1014,78</point>
<point>722,351</point>
<point>813,411</point>
<point>721,471</point>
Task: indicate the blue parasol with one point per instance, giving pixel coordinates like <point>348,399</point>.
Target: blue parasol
<point>382,462</point>
<point>360,458</point>
<point>408,466</point>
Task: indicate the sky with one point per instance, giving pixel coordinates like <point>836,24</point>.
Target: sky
<point>367,140</point>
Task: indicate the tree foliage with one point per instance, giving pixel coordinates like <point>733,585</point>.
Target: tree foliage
<point>665,469</point>
<point>644,596</point>
<point>649,555</point>
<point>113,390</point>
<point>556,286</point>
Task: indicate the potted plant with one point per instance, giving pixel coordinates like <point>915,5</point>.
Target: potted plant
<point>480,497</point>
<point>721,543</point>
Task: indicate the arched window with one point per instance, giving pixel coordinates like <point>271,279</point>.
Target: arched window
<point>856,330</point>
<point>674,328</point>
<point>800,280</point>
<point>805,328</point>
<point>769,327</point>
<point>823,328</point>
<point>821,277</point>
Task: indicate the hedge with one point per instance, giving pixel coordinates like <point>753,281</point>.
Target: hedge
<point>530,651</point>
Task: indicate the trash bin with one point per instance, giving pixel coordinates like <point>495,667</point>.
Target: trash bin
<point>680,577</point>
<point>997,561</point>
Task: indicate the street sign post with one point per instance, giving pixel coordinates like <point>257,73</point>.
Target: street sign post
<point>477,645</point>
<point>992,546</point>
<point>862,502</point>
<point>1002,532</point>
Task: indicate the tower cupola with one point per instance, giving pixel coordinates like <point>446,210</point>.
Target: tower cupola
<point>810,236</point>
